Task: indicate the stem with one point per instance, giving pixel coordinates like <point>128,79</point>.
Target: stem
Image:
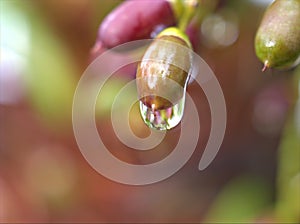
<point>288,179</point>
<point>188,13</point>
<point>177,6</point>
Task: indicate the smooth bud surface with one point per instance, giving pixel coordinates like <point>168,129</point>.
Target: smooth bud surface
<point>161,78</point>
<point>277,42</point>
<point>167,57</point>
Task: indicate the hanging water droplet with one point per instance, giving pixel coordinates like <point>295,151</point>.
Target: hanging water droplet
<point>162,119</point>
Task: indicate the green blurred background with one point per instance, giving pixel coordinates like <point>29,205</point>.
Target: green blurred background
<point>46,46</point>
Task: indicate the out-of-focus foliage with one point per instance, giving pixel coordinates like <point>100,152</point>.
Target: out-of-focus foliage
<point>242,200</point>
<point>288,181</point>
<point>49,73</point>
<point>107,96</point>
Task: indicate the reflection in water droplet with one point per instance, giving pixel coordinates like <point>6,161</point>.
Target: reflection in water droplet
<point>163,119</point>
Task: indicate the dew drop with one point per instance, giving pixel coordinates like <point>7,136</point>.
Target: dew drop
<point>162,119</point>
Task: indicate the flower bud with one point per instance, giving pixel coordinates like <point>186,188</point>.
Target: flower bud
<point>277,42</point>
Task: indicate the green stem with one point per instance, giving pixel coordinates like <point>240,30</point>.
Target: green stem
<point>288,179</point>
<point>188,13</point>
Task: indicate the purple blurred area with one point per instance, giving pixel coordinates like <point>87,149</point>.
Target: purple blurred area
<point>43,176</point>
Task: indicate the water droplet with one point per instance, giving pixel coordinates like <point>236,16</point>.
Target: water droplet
<point>162,119</point>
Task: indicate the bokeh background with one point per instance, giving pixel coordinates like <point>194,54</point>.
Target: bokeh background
<point>46,46</point>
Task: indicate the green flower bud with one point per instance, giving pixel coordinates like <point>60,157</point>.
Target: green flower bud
<point>277,41</point>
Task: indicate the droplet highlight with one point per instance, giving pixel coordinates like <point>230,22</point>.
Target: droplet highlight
<point>162,119</point>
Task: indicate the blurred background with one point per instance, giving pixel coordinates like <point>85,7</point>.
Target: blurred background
<point>46,46</point>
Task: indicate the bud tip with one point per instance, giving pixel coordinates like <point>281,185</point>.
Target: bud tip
<point>266,65</point>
